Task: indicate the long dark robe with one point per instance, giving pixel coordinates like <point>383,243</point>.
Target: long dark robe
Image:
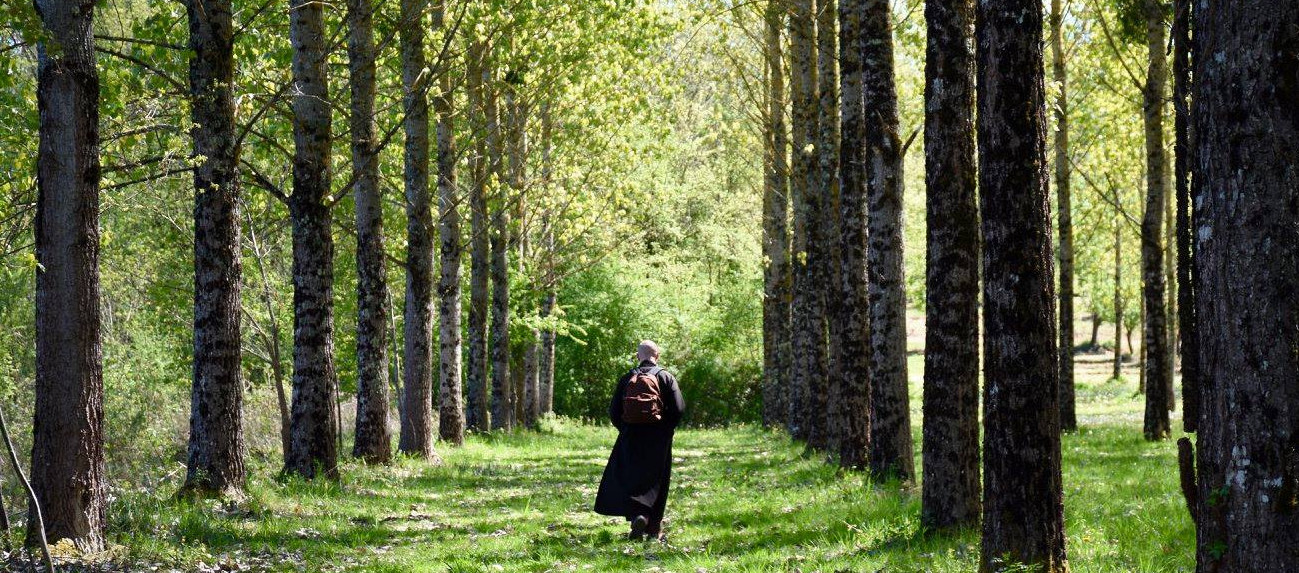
<point>636,478</point>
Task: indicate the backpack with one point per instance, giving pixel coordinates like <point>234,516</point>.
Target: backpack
<point>641,401</point>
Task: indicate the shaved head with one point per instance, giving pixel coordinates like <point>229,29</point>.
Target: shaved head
<point>647,350</point>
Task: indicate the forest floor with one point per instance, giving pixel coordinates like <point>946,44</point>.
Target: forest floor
<point>742,499</point>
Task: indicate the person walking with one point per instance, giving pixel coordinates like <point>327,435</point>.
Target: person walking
<point>646,408</point>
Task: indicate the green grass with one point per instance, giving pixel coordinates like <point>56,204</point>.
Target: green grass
<point>743,499</point>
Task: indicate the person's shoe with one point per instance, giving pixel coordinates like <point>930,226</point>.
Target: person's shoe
<point>638,525</point>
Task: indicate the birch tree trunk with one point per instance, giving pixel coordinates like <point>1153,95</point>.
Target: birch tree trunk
<point>891,447</point>
<point>67,428</point>
<point>822,251</point>
<point>1023,511</point>
<point>373,440</point>
<point>1158,367</point>
<point>417,419</point>
<point>1064,207</point>
<point>499,331</point>
<point>313,443</point>
<point>1186,303</point>
<point>215,455</point>
<point>950,448</point>
<point>851,301</point>
<point>451,411</point>
<point>775,226</point>
<point>477,415</point>
<point>807,311</point>
<point>1246,137</point>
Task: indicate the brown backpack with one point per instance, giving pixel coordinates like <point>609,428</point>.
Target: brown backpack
<point>641,401</point>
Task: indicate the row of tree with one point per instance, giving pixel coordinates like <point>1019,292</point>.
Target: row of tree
<point>835,358</point>
<point>497,93</point>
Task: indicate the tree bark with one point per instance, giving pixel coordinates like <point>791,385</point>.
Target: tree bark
<point>1064,206</point>
<point>313,445</point>
<point>546,362</point>
<point>1118,290</point>
<point>822,256</point>
<point>67,429</point>
<point>499,333</point>
<point>1023,512</point>
<point>1246,173</point>
<point>1186,303</point>
<point>807,338</point>
<point>851,300</point>
<point>215,456</point>
<point>451,412</point>
<point>775,227</point>
<point>1157,364</point>
<point>417,419</point>
<point>891,448</point>
<point>373,441</point>
<point>477,414</point>
<point>950,448</point>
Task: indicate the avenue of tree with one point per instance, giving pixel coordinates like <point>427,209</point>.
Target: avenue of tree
<point>523,132</point>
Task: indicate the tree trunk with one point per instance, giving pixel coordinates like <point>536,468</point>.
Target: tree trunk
<point>822,257</point>
<point>1118,290</point>
<point>417,419</point>
<point>373,441</point>
<point>216,463</point>
<point>1064,206</point>
<point>851,301</point>
<point>1186,302</point>
<point>807,337</point>
<point>499,333</point>
<point>891,447</point>
<point>67,429</point>
<point>950,491</point>
<point>477,416</point>
<point>1246,138</point>
<point>451,413</point>
<point>1096,330</point>
<point>313,445</point>
<point>531,395</point>
<point>775,227</point>
<point>1157,365</point>
<point>1023,512</point>
<point>546,362</point>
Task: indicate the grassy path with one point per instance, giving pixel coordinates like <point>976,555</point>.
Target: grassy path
<point>743,500</point>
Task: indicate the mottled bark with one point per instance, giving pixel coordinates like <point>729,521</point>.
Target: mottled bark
<point>775,227</point>
<point>546,361</point>
<point>807,336</point>
<point>313,424</point>
<point>417,418</point>
<point>1186,318</point>
<point>67,427</point>
<point>1118,290</point>
<point>499,329</point>
<point>531,378</point>
<point>950,448</point>
<point>1064,207</point>
<point>451,412</point>
<point>373,440</point>
<point>1157,365</point>
<point>850,305</point>
<point>215,457</point>
<point>891,447</point>
<point>822,253</point>
<point>477,415</point>
<point>1023,512</point>
<point>1246,173</point>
